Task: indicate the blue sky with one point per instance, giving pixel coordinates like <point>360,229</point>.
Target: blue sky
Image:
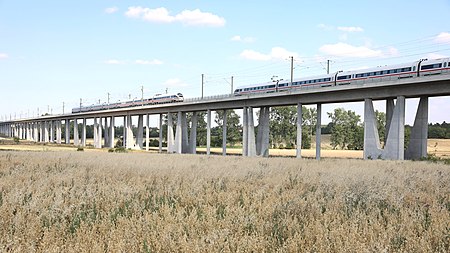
<point>55,52</point>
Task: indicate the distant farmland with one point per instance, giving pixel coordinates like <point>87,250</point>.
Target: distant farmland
<point>71,201</point>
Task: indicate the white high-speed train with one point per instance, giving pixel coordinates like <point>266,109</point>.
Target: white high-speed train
<point>407,70</point>
<point>157,99</point>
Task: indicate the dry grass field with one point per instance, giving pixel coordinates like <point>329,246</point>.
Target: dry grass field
<point>71,201</point>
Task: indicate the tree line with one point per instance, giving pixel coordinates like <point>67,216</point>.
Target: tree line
<point>346,129</point>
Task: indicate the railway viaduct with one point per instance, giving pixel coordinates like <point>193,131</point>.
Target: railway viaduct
<point>394,92</point>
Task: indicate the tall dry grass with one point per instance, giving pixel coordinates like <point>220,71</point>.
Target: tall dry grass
<point>104,202</point>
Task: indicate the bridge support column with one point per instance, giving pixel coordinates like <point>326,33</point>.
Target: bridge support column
<point>46,136</point>
<point>147,133</point>
<point>299,130</point>
<point>41,131</point>
<point>262,141</point>
<point>58,131</point>
<point>244,131</point>
<point>67,138</point>
<point>224,133</point>
<point>193,137</point>
<point>389,112</point>
<point>129,135</point>
<point>184,134</point>
<point>178,134</point>
<point>95,133</point>
<point>318,131</point>
<point>83,133</point>
<point>106,133</point>
<point>111,132</point>
<point>249,145</point>
<point>52,133</point>
<point>208,132</point>
<point>140,133</point>
<point>394,148</point>
<point>419,133</point>
<point>160,133</point>
<point>76,136</point>
<point>170,137</point>
<point>100,133</point>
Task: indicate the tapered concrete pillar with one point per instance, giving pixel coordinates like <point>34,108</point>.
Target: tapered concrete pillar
<point>318,130</point>
<point>140,133</point>
<point>262,141</point>
<point>170,137</point>
<point>251,149</point>
<point>76,136</point>
<point>396,139</point>
<point>208,132</point>
<point>193,137</point>
<point>244,131</point>
<point>419,133</point>
<point>394,148</point>
<point>83,133</point>
<point>299,130</point>
<point>112,133</point>
<point>389,113</point>
<point>160,133</point>
<point>372,147</point>
<point>178,134</point>
<point>129,130</point>
<point>224,133</point>
<point>67,132</point>
<point>147,132</point>
<point>185,149</point>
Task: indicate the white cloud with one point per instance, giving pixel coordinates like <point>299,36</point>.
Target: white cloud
<point>277,53</point>
<point>325,27</point>
<point>111,10</point>
<point>146,62</point>
<point>175,83</point>
<point>3,56</point>
<point>240,39</point>
<point>350,29</point>
<point>113,61</point>
<point>443,37</point>
<point>186,17</point>
<point>346,50</point>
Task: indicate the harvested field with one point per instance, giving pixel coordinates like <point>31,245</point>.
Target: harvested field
<point>136,202</point>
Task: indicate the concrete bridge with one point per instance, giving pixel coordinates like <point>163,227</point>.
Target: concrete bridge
<point>48,128</point>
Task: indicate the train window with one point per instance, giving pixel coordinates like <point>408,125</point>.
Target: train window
<point>414,68</point>
<point>445,64</point>
<point>431,66</point>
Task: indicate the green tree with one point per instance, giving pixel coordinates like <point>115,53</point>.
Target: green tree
<point>381,125</point>
<point>234,129</point>
<point>347,131</point>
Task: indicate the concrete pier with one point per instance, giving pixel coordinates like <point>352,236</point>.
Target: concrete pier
<point>224,133</point>
<point>394,148</point>
<point>318,131</point>
<point>193,137</point>
<point>419,133</point>
<point>299,130</point>
<point>208,132</point>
